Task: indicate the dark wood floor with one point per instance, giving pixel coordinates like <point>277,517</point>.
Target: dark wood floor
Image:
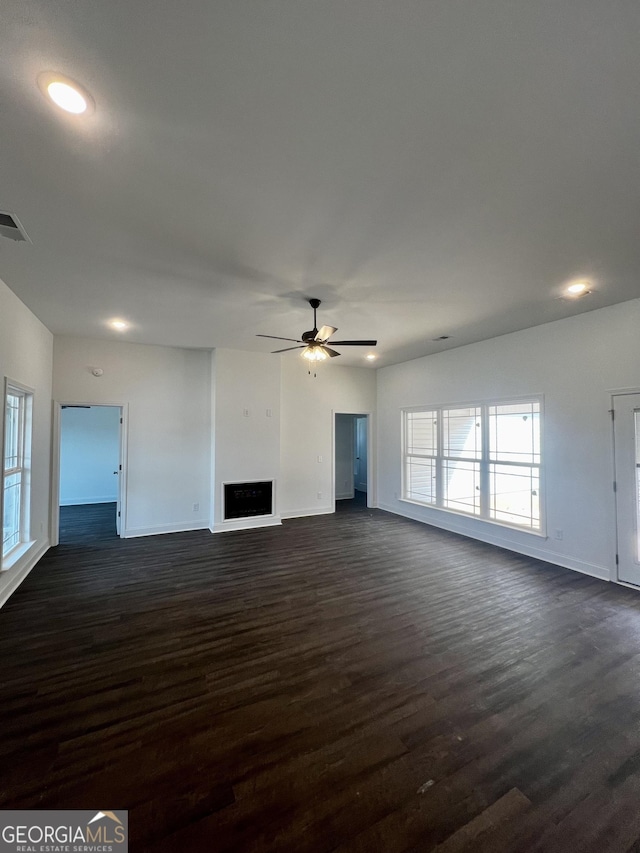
<point>87,523</point>
<point>354,682</point>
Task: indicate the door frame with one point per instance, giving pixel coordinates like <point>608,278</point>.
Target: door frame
<point>54,520</point>
<point>356,458</point>
<point>372,492</point>
<point>613,393</point>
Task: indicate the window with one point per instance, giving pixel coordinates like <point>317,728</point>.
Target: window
<point>482,460</point>
<point>16,468</point>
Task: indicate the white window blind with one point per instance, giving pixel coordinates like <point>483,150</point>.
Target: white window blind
<point>16,462</point>
<point>421,439</point>
<point>483,460</point>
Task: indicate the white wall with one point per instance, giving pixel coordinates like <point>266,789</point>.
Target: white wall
<point>246,435</point>
<point>575,363</point>
<point>308,408</point>
<point>89,455</point>
<point>26,357</point>
<point>168,395</point>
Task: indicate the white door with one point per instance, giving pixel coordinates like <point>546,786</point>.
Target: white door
<point>118,474</point>
<point>118,503</point>
<point>626,435</point>
<point>361,454</point>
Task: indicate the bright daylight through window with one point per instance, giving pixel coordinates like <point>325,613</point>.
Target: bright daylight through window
<point>482,460</point>
<point>16,468</point>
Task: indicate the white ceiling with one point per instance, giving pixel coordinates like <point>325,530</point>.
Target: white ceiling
<point>425,167</point>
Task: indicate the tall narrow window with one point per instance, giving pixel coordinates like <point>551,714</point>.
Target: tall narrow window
<point>16,468</point>
<point>514,464</point>
<point>461,456</point>
<point>421,443</point>
<point>481,460</point>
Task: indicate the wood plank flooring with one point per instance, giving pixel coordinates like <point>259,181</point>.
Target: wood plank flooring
<point>87,523</point>
<point>353,682</point>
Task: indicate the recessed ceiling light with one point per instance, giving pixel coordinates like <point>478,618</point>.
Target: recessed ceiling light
<point>371,356</point>
<point>65,93</point>
<point>119,325</point>
<point>578,288</point>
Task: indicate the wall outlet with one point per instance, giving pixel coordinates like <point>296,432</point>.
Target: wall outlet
<point>196,507</point>
<point>319,496</point>
<point>319,458</point>
<point>245,413</point>
<point>558,534</point>
<point>269,413</point>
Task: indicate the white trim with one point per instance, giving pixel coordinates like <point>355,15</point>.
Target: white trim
<point>246,523</point>
<point>56,428</point>
<point>10,581</point>
<point>612,402</point>
<point>463,404</point>
<point>600,572</point>
<point>222,525</point>
<point>306,513</point>
<point>483,463</point>
<point>502,524</point>
<point>372,494</point>
<point>627,584</point>
<point>14,555</point>
<point>626,392</point>
<point>101,499</point>
<point>159,530</point>
<point>617,392</point>
<point>27,429</point>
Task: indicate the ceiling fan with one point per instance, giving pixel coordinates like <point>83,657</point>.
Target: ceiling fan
<point>314,342</point>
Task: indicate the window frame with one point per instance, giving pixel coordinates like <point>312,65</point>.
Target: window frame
<point>23,468</point>
<point>485,461</point>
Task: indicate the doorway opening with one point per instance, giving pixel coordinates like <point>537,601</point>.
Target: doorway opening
<point>351,471</point>
<point>626,447</point>
<point>89,495</point>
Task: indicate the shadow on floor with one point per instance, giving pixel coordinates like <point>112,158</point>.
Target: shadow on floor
<point>87,523</point>
<point>358,503</point>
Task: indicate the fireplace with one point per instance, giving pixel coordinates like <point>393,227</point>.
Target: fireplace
<point>247,500</point>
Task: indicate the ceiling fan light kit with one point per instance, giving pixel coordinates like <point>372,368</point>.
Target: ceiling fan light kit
<point>314,342</point>
<point>312,353</point>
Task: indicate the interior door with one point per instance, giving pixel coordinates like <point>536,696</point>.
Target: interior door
<point>626,434</point>
<point>118,474</point>
<point>118,503</point>
<point>361,454</point>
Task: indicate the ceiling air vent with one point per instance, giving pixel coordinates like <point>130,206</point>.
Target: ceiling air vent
<point>10,227</point>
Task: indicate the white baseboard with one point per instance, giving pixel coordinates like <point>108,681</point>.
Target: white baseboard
<point>82,501</point>
<point>345,496</point>
<point>246,523</point>
<point>134,532</point>
<point>11,579</point>
<point>591,569</point>
<point>303,513</point>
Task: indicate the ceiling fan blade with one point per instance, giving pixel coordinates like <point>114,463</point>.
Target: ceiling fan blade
<point>325,333</point>
<point>354,343</point>
<point>287,349</point>
<point>330,352</point>
<point>277,338</point>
